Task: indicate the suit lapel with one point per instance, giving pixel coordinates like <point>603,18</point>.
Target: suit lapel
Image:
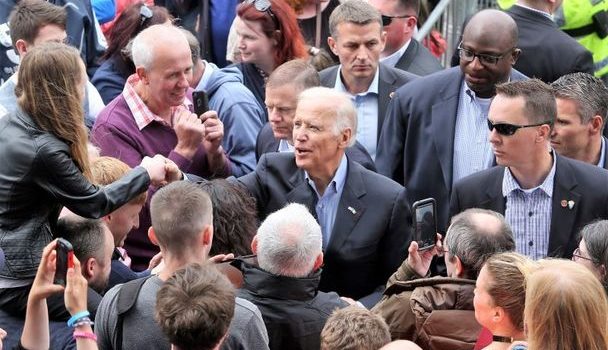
<point>563,214</point>
<point>408,56</point>
<point>494,199</point>
<point>443,124</point>
<point>350,208</point>
<point>302,192</point>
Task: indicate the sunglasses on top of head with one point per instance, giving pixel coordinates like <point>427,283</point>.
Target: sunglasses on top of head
<point>507,129</point>
<point>265,6</point>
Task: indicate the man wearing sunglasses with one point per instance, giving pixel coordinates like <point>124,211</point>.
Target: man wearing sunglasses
<point>546,198</point>
<point>582,107</point>
<point>357,39</point>
<point>435,131</point>
<point>399,20</point>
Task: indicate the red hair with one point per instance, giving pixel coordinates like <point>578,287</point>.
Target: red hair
<point>290,42</point>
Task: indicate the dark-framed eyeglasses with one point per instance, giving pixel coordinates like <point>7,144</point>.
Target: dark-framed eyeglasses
<point>485,59</point>
<point>577,255</point>
<point>506,129</point>
<point>144,15</point>
<point>386,20</point>
<point>265,6</point>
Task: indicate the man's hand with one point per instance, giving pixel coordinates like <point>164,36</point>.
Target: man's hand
<point>214,132</point>
<point>172,172</point>
<point>420,261</point>
<point>190,132</point>
<point>216,259</point>
<point>156,169</point>
<point>43,286</point>
<point>75,295</point>
<point>155,261</point>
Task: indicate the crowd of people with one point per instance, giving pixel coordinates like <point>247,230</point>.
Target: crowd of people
<point>244,175</point>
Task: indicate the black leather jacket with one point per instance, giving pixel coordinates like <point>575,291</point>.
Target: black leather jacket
<point>37,178</point>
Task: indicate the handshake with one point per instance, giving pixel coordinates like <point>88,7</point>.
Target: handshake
<point>161,170</point>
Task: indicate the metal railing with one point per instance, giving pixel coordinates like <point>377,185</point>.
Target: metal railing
<point>448,17</point>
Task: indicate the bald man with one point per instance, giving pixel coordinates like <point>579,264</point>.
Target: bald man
<point>435,131</point>
<point>152,116</point>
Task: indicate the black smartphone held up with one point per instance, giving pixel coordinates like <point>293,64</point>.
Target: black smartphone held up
<point>201,102</point>
<point>425,223</point>
<point>64,260</point>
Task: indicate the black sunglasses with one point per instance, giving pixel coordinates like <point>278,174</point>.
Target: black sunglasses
<point>386,20</point>
<point>265,6</point>
<point>507,129</point>
<point>144,15</point>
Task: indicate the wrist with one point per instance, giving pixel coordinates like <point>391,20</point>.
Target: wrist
<point>186,152</point>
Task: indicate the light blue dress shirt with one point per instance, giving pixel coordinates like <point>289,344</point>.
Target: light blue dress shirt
<point>529,214</point>
<point>392,59</point>
<point>327,204</point>
<point>367,113</point>
<point>472,150</point>
<point>602,154</point>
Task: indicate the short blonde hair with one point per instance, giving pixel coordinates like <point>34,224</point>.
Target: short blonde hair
<point>106,170</point>
<point>566,308</point>
<point>354,328</point>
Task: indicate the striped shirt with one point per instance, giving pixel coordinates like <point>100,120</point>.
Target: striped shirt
<point>528,212</point>
<point>472,151</point>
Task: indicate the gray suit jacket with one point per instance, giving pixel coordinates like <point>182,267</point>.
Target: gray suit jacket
<point>418,60</point>
<point>389,80</point>
<point>416,147</point>
<point>371,232</point>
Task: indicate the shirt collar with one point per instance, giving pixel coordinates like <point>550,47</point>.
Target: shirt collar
<point>202,85</point>
<point>337,183</point>
<point>373,87</point>
<point>284,146</point>
<point>393,58</point>
<point>602,154</point>
<point>510,184</point>
<point>141,113</point>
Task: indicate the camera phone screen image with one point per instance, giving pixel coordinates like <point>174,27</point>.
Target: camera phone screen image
<point>425,225</point>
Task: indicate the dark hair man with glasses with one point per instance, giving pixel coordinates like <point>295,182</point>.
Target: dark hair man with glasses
<point>546,198</point>
<point>546,52</point>
<point>582,108</point>
<point>435,130</point>
<point>399,18</point>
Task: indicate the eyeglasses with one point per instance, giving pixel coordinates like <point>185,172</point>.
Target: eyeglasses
<point>144,14</point>
<point>577,255</point>
<point>507,129</point>
<point>484,59</point>
<point>386,20</point>
<point>265,6</point>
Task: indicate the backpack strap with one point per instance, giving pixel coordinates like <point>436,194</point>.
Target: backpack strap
<point>127,296</point>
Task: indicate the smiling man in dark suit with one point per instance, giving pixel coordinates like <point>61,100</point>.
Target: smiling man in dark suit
<point>435,129</point>
<point>582,108</point>
<point>357,39</point>
<point>546,198</point>
<point>364,217</point>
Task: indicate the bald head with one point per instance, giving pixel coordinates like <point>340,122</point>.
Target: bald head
<point>157,42</point>
<point>492,26</point>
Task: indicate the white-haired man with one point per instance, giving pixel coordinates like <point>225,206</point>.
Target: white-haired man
<point>364,217</point>
<point>284,285</point>
<point>152,116</point>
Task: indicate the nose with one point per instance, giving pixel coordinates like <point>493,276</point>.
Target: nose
<point>273,114</point>
<point>493,136</point>
<point>476,63</point>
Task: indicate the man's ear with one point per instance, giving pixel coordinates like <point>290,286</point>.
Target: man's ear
<point>332,45</point>
<point>515,56</point>
<point>207,237</point>
<point>318,262</point>
<point>254,245</point>
<point>544,133</point>
<point>107,219</point>
<point>345,137</point>
<point>152,236</point>
<point>595,125</point>
<point>143,75</point>
<point>21,47</point>
<point>88,268</point>
<point>458,267</point>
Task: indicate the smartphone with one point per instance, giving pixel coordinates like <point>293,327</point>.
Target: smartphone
<point>64,260</point>
<point>201,102</point>
<point>425,223</point>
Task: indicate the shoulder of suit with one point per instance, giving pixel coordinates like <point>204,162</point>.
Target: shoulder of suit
<point>374,180</point>
<point>582,168</point>
<point>479,179</point>
<point>329,73</point>
<point>429,84</point>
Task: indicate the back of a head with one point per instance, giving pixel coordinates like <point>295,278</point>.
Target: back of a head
<point>180,211</point>
<point>87,236</point>
<point>29,16</point>
<point>106,170</point>
<point>357,12</point>
<point>195,306</point>
<point>298,73</point>
<point>354,328</point>
<point>589,93</point>
<point>476,234</point>
<point>566,308</point>
<point>234,217</point>
<point>507,285</point>
<point>195,45</point>
<point>289,241</point>
<point>540,106</point>
<point>48,90</point>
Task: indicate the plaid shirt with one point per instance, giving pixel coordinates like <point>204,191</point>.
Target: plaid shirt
<point>141,113</point>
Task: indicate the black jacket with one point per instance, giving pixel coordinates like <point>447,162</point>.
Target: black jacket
<point>37,178</point>
<point>293,309</point>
